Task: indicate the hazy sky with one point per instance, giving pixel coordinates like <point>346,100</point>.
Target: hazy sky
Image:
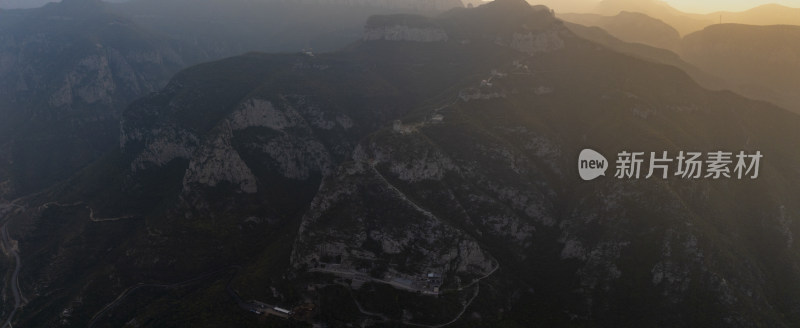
<point>695,6</point>
<point>705,6</point>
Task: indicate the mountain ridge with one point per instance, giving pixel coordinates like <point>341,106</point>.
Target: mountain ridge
<point>758,61</point>
<point>69,77</point>
<point>632,27</point>
<point>448,170</point>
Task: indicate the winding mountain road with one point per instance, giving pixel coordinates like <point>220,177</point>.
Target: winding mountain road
<point>431,215</point>
<point>15,289</point>
<point>138,286</point>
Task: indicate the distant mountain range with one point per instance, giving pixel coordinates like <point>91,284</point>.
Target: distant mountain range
<point>683,22</point>
<point>567,6</point>
<point>771,14</point>
<point>632,27</point>
<point>434,156</point>
<point>68,69</point>
<point>405,5</point>
<point>25,4</point>
<point>15,4</point>
<point>762,62</point>
<point>648,53</point>
<point>419,5</point>
<point>227,28</point>
<point>756,56</point>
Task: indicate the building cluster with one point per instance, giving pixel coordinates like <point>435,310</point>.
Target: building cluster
<point>429,283</point>
<point>520,68</point>
<point>469,94</point>
<point>270,310</point>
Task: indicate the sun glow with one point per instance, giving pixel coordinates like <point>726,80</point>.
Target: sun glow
<point>709,6</point>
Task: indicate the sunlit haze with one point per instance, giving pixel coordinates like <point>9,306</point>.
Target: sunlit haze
<point>707,6</point>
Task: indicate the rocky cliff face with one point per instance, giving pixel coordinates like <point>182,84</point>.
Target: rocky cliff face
<point>533,42</point>
<point>411,236</point>
<point>216,161</point>
<point>405,33</point>
<point>267,137</point>
<point>214,158</point>
<point>403,171</point>
<point>162,145</point>
<point>494,169</point>
<point>403,28</point>
<point>69,69</point>
<point>67,65</point>
<point>105,78</point>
